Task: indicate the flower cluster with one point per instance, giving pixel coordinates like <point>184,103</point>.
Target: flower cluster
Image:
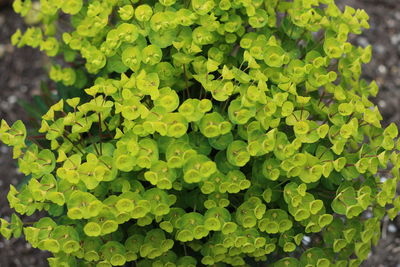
<point>216,132</point>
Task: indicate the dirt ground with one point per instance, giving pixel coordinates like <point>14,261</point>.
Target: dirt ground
<point>21,71</point>
<point>384,36</point>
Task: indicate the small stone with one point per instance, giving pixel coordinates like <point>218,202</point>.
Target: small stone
<point>392,228</point>
<point>391,23</point>
<point>9,48</point>
<point>368,214</point>
<point>363,41</point>
<point>2,50</point>
<point>306,240</point>
<point>4,105</point>
<point>380,49</point>
<point>24,88</point>
<point>382,103</point>
<point>395,39</point>
<point>4,149</point>
<point>382,69</point>
<point>12,99</point>
<point>397,15</point>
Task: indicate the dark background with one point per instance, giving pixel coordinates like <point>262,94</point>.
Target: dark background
<point>22,70</point>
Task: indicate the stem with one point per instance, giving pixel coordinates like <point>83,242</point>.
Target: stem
<point>301,112</point>
<point>225,105</point>
<point>184,248</point>
<point>326,150</point>
<point>320,99</point>
<point>186,80</point>
<point>94,144</point>
<point>36,142</point>
<point>66,137</point>
<point>349,118</point>
<point>101,143</point>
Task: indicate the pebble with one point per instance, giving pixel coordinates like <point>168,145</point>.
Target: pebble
<point>12,99</point>
<point>4,149</point>
<point>382,69</point>
<point>397,15</point>
<point>391,23</point>
<point>24,88</point>
<point>363,41</point>
<point>4,105</point>
<point>382,103</point>
<point>2,50</point>
<point>395,39</point>
<point>306,240</point>
<point>392,228</point>
<point>368,214</point>
<point>380,49</point>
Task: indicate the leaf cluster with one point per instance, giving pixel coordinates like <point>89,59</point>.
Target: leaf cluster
<point>216,133</point>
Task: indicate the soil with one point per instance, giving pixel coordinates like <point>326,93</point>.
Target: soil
<point>384,36</point>
<point>22,71</point>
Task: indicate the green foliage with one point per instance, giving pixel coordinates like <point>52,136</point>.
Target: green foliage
<point>214,133</point>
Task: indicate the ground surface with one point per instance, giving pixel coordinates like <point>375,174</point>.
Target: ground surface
<point>384,36</point>
<point>21,71</point>
<point>20,74</point>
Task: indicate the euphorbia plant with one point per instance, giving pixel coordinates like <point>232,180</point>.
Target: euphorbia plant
<point>217,133</point>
